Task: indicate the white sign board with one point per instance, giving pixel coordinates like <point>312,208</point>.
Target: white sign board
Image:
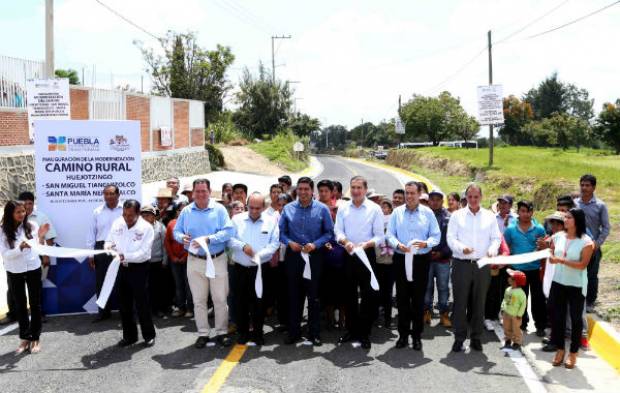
<point>48,99</point>
<point>74,161</point>
<point>166,136</point>
<point>400,126</point>
<point>490,105</point>
<point>298,146</point>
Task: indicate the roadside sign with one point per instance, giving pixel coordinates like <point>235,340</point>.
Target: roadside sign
<point>400,126</point>
<point>490,105</point>
<point>298,146</point>
<point>48,99</point>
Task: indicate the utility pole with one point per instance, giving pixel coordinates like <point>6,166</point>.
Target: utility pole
<point>273,53</point>
<point>83,81</point>
<point>400,136</point>
<point>490,83</point>
<point>49,38</point>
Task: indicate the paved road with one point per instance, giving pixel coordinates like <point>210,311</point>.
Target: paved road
<point>80,357</point>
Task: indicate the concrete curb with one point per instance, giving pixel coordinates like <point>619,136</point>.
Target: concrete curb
<point>605,341</point>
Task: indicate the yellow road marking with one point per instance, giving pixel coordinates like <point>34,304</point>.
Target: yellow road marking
<point>224,370</point>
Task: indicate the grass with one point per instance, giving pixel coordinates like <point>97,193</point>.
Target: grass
<point>279,149</point>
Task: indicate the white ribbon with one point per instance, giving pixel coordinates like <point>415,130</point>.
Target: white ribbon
<point>258,283</point>
<point>202,242</point>
<point>548,278</point>
<point>108,282</point>
<point>515,259</point>
<point>409,259</point>
<point>307,272</point>
<point>361,254</point>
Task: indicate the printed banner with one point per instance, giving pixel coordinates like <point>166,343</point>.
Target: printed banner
<point>48,99</point>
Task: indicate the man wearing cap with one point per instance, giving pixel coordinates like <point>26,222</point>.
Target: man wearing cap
<point>101,222</point>
<point>256,235</point>
<point>206,217</point>
<point>187,192</point>
<point>522,236</point>
<point>439,269</point>
<point>424,199</point>
<point>164,204</point>
<point>505,216</point>
<point>412,227</point>
<point>157,282</point>
<point>375,196</point>
<point>173,184</point>
<point>132,238</point>
<point>473,233</point>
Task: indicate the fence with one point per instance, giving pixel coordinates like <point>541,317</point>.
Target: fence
<point>13,76</point>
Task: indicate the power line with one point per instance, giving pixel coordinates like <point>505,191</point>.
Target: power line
<point>128,20</point>
<point>243,15</point>
<point>532,22</point>
<point>574,21</point>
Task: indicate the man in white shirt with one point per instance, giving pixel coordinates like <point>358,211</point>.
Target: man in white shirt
<point>359,223</point>
<point>256,235</point>
<point>101,222</point>
<point>132,238</point>
<point>472,234</point>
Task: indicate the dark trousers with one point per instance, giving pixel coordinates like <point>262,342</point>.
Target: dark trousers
<point>495,295</point>
<point>300,288</point>
<point>572,297</point>
<point>360,315</point>
<point>385,276</point>
<point>248,306</point>
<point>410,295</point>
<point>29,329</point>
<point>469,280</point>
<point>157,287</point>
<point>132,285</point>
<point>533,288</point>
<point>102,261</point>
<point>281,293</point>
<point>593,267</point>
<point>183,294</point>
<point>10,300</point>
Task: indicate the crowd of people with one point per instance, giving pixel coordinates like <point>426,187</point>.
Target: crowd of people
<point>243,258</point>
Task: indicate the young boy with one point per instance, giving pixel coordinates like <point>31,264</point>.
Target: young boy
<point>513,308</point>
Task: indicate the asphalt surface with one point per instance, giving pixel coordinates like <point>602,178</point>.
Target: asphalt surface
<point>78,356</point>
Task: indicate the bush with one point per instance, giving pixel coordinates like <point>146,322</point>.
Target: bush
<point>225,130</point>
<point>280,150</point>
<point>216,158</point>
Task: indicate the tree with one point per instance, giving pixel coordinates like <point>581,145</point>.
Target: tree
<point>608,125</point>
<point>554,96</point>
<point>335,135</point>
<point>362,134</point>
<point>188,71</point>
<point>303,125</point>
<point>464,126</point>
<point>516,114</point>
<point>69,73</point>
<point>264,105</point>
<point>560,129</point>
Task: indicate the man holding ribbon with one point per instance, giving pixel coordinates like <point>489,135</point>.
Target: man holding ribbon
<point>204,228</point>
<point>359,227</point>
<point>412,231</point>
<point>305,227</point>
<point>255,240</point>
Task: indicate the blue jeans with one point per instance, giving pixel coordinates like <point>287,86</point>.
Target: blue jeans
<point>593,267</point>
<point>441,272</point>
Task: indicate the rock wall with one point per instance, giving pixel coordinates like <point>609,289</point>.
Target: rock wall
<point>17,170</point>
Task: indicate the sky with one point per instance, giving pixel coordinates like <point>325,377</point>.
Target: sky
<point>352,59</point>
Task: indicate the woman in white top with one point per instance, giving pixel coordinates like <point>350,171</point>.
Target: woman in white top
<point>23,269</point>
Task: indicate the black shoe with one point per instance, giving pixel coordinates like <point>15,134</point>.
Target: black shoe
<point>388,323</point>
<point>259,340</point>
<point>546,340</point>
<point>202,342</point>
<point>365,343</point>
<point>540,332</point>
<point>549,347</point>
<point>101,318</point>
<point>516,347</point>
<point>347,337</point>
<point>402,342</point>
<point>316,341</point>
<point>475,344</point>
<point>417,344</point>
<point>149,343</point>
<point>224,340</point>
<point>290,340</point>
<point>457,346</point>
<point>282,328</point>
<point>125,343</point>
<point>507,345</point>
<point>243,339</point>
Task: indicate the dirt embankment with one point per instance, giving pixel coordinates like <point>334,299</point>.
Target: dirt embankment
<point>244,159</point>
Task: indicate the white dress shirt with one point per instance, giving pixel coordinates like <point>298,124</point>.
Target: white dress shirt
<point>263,235</point>
<point>101,222</point>
<point>476,231</point>
<point>16,260</point>
<point>134,243</point>
<point>359,224</point>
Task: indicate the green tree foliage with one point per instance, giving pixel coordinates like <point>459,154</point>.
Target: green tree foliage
<point>335,135</point>
<point>554,96</point>
<point>608,125</point>
<point>303,125</point>
<point>69,73</point>
<point>463,126</point>
<point>516,114</point>
<point>558,130</point>
<point>188,71</point>
<point>264,105</point>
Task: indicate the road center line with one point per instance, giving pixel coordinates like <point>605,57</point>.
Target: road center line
<point>224,369</point>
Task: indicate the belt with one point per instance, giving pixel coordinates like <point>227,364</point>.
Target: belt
<point>205,257</point>
<point>467,260</point>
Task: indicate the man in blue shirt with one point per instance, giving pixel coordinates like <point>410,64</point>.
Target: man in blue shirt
<point>206,217</point>
<point>305,226</point>
<point>412,226</point>
<point>521,237</point>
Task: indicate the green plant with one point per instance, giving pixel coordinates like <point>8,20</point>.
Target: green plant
<point>279,149</point>
<point>216,158</point>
